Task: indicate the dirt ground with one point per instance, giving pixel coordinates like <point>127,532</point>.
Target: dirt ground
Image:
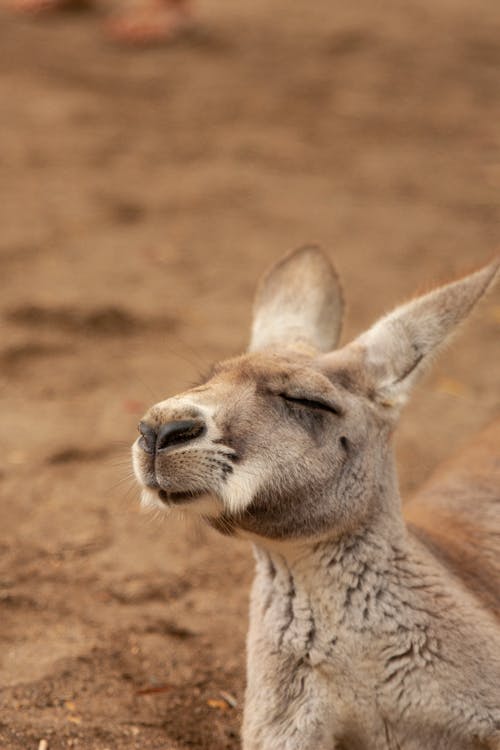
<point>141,195</point>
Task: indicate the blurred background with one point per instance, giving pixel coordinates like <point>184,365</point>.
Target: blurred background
<point>142,193</point>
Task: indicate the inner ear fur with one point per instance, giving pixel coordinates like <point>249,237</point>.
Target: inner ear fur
<point>298,303</point>
<point>397,349</point>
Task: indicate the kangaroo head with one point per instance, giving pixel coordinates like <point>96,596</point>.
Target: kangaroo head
<point>293,438</point>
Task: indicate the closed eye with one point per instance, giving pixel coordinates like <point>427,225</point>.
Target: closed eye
<point>310,403</point>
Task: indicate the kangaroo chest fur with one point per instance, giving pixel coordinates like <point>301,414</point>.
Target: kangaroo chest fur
<point>345,651</point>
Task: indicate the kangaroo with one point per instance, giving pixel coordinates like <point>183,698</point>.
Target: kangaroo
<point>366,632</point>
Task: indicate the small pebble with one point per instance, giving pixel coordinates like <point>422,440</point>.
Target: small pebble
<point>230,699</point>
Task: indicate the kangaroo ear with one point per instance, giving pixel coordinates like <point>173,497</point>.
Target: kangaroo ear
<point>397,349</point>
<point>298,303</point>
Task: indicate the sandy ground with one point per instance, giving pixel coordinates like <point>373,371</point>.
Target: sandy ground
<point>141,195</point>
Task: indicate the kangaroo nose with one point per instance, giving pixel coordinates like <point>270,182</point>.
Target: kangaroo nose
<point>175,433</point>
<point>148,439</point>
<point>169,434</point>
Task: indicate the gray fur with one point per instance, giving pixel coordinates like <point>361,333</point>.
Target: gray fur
<point>361,637</point>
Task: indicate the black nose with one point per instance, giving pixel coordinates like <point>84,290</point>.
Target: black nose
<point>169,434</point>
<point>174,433</point>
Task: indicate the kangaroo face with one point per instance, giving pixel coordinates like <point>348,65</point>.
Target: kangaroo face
<point>276,439</point>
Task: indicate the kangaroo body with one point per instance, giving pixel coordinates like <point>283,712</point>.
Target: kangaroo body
<point>457,516</point>
<point>368,630</point>
<point>368,643</point>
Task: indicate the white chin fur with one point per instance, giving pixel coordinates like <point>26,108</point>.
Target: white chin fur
<point>150,500</point>
<point>240,487</point>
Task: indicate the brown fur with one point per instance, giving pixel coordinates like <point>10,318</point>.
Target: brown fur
<point>457,514</point>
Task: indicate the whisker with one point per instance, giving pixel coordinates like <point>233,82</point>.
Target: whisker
<point>128,478</point>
